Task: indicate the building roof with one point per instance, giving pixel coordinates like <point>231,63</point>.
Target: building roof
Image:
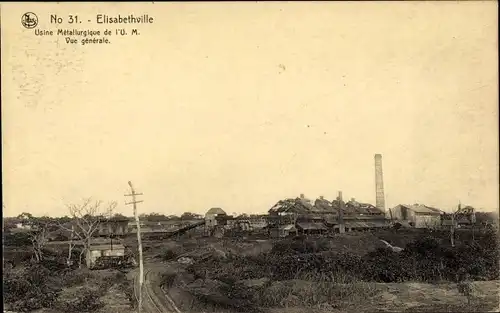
<point>331,219</point>
<point>311,226</point>
<point>448,222</point>
<point>116,246</point>
<point>322,206</point>
<point>216,211</point>
<point>291,206</point>
<point>363,208</point>
<point>290,227</point>
<point>364,224</point>
<point>422,209</point>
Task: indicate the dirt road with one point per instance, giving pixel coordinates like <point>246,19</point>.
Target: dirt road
<point>154,298</point>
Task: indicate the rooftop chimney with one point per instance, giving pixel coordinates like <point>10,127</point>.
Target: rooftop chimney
<point>301,196</point>
<point>379,183</point>
<point>321,197</point>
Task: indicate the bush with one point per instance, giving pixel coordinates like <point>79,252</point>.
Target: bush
<point>339,277</point>
<point>300,245</point>
<point>54,265</point>
<point>384,265</point>
<point>427,259</point>
<point>17,239</point>
<point>168,255</point>
<point>168,279</point>
<point>32,289</point>
<point>77,277</point>
<point>86,301</point>
<point>242,297</point>
<point>128,288</point>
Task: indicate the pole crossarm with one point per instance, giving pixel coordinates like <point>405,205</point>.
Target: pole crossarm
<point>134,202</point>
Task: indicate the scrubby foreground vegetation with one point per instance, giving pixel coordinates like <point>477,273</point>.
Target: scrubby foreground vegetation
<point>30,286</point>
<point>305,272</point>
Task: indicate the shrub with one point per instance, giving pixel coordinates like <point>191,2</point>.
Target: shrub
<point>17,239</point>
<point>54,265</point>
<point>242,297</point>
<point>300,245</point>
<point>30,290</point>
<point>128,288</point>
<point>428,259</point>
<point>168,255</point>
<point>384,265</point>
<point>76,277</point>
<point>86,301</point>
<point>168,279</point>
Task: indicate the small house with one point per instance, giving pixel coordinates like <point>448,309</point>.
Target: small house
<point>107,251</point>
<point>311,228</point>
<point>214,216</point>
<point>113,226</point>
<point>283,231</point>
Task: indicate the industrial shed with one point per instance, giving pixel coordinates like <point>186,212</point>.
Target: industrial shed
<point>311,228</point>
<point>417,215</point>
<point>324,215</point>
<point>283,231</point>
<point>108,251</point>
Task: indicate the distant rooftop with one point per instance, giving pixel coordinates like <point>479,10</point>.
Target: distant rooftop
<point>217,211</point>
<point>420,208</point>
<point>302,205</point>
<point>107,247</point>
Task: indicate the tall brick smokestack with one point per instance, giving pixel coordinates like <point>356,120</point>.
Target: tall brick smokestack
<point>379,183</point>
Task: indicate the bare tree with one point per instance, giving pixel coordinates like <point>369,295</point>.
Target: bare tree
<point>38,235</point>
<point>71,245</point>
<point>460,213</point>
<point>39,229</point>
<point>86,218</point>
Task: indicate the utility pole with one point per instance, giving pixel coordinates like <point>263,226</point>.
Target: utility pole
<point>141,266</point>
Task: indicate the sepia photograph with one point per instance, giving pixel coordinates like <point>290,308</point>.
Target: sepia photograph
<point>260,157</point>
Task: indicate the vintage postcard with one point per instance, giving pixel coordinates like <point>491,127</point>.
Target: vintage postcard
<point>267,157</point>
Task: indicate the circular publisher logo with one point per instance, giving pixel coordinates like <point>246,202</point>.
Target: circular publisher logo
<point>29,20</point>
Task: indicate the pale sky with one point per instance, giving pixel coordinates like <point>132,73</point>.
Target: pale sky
<point>239,105</point>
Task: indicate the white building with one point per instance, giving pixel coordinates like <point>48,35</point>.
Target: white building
<point>97,250</point>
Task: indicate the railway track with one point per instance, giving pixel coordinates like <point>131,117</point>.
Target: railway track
<point>151,301</point>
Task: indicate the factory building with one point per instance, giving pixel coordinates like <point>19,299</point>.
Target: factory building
<point>417,215</point>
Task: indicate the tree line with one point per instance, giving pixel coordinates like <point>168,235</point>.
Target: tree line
<point>79,225</point>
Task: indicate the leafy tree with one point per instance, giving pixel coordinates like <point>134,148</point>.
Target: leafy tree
<point>190,216</point>
<point>25,216</point>
<point>118,216</point>
<point>155,217</point>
